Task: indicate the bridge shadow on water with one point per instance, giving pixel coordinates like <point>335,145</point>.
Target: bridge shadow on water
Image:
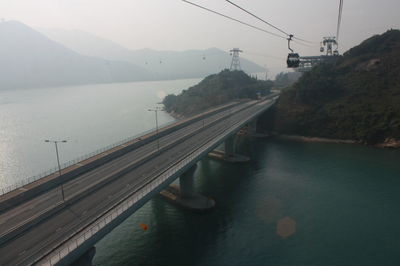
<point>177,236</point>
<point>322,190</point>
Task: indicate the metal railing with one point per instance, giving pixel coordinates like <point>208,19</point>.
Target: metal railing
<point>81,236</point>
<point>69,163</point>
<point>31,179</point>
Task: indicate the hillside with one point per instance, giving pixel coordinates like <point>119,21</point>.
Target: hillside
<point>355,97</point>
<point>28,59</point>
<point>215,90</point>
<point>163,64</point>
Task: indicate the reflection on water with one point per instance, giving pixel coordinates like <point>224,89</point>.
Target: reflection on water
<point>89,117</point>
<point>293,204</point>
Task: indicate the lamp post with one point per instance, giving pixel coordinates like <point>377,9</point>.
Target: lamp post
<point>58,161</point>
<point>229,116</point>
<point>155,110</point>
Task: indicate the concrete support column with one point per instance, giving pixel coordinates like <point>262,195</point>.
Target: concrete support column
<point>229,154</point>
<point>184,194</point>
<point>252,127</point>
<point>230,146</point>
<point>186,182</point>
<point>86,258</point>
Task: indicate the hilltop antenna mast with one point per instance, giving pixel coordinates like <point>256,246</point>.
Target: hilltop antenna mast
<point>235,64</point>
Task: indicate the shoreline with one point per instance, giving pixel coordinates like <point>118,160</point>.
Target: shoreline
<point>389,143</point>
<point>315,139</point>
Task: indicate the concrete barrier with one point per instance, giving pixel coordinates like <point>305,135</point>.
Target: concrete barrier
<point>7,236</point>
<point>41,187</point>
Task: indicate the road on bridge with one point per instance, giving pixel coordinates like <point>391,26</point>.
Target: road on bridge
<point>93,193</point>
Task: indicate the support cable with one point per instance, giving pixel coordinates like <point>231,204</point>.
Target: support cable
<point>266,22</point>
<point>248,12</point>
<point>295,39</point>
<point>339,21</point>
<point>231,18</point>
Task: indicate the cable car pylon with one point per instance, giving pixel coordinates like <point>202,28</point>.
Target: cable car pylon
<point>235,64</point>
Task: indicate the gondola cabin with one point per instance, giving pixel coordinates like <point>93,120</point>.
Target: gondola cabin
<point>293,60</point>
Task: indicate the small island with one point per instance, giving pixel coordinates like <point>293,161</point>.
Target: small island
<point>217,89</point>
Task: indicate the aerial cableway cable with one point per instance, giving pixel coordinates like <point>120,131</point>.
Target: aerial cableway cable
<point>268,23</point>
<point>248,12</point>
<point>339,20</point>
<point>231,18</point>
<point>293,59</point>
<point>244,23</point>
<point>304,44</point>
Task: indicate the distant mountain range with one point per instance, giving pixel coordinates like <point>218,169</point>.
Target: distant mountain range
<point>32,58</point>
<point>162,64</point>
<point>29,59</point>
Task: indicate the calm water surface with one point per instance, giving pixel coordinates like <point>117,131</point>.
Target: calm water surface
<point>89,117</point>
<point>331,204</point>
<point>342,202</point>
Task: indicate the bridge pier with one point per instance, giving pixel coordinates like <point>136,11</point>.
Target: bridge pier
<point>86,258</point>
<point>229,146</point>
<point>252,127</point>
<point>186,183</point>
<point>184,194</point>
<point>251,130</point>
<point>228,154</point>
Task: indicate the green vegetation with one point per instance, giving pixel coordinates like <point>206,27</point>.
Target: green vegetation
<point>284,80</point>
<point>355,96</point>
<point>215,90</point>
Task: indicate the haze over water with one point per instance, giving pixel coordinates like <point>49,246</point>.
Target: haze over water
<point>342,199</point>
<point>89,117</point>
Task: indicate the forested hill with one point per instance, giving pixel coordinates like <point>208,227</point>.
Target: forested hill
<point>215,90</point>
<point>356,96</point>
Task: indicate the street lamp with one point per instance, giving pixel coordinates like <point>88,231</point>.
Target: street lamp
<point>229,116</point>
<point>58,161</point>
<point>155,110</point>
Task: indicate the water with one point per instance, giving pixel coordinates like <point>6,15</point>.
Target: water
<point>88,117</point>
<point>343,200</point>
<point>340,202</point>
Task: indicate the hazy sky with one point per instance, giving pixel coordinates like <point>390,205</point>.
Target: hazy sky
<point>175,25</point>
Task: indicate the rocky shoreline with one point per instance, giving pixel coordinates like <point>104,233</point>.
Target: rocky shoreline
<point>388,143</point>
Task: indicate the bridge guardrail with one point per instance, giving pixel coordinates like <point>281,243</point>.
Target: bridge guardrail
<point>64,165</point>
<point>127,203</point>
<point>5,236</point>
<point>69,163</point>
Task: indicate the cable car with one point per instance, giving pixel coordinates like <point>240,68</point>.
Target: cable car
<point>321,49</point>
<point>293,60</point>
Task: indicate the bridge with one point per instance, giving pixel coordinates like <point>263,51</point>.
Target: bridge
<point>57,219</point>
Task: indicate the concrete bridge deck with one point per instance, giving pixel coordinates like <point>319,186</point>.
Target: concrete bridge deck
<point>45,230</point>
